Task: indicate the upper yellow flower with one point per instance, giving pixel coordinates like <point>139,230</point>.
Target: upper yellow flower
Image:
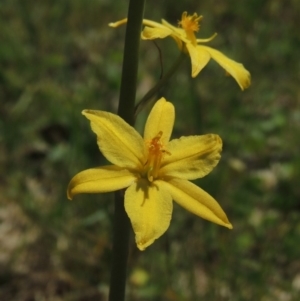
<point>187,41</point>
<point>155,170</point>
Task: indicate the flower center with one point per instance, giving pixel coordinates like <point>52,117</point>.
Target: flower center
<point>190,23</point>
<point>156,152</point>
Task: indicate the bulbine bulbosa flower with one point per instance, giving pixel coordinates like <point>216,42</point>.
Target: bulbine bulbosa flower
<point>186,39</point>
<point>153,169</point>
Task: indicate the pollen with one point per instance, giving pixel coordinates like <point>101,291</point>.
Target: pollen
<point>190,22</point>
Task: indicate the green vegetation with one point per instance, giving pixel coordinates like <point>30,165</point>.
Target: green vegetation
<point>60,57</point>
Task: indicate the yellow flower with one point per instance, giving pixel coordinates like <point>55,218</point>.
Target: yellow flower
<point>155,170</point>
<point>187,41</point>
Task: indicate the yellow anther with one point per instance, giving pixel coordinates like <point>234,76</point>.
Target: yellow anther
<point>155,154</point>
<point>190,22</point>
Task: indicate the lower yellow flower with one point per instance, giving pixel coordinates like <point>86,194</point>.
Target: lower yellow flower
<point>185,37</point>
<point>155,170</point>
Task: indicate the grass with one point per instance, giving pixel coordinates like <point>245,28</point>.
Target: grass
<point>59,57</point>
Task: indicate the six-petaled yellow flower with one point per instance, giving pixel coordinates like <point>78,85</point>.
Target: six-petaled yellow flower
<point>154,170</point>
<point>185,37</point>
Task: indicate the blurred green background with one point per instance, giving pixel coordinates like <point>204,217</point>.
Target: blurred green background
<point>59,57</point>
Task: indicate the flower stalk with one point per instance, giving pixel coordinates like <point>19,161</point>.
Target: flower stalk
<point>121,226</point>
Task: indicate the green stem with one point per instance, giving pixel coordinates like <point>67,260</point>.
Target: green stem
<point>121,227</point>
<point>148,96</point>
<point>130,61</point>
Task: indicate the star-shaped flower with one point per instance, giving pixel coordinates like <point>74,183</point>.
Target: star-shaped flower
<point>154,170</point>
<point>185,37</point>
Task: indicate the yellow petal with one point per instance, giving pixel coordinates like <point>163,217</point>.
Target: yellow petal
<point>145,22</point>
<point>153,30</point>
<point>161,118</point>
<point>178,34</point>
<point>176,31</point>
<point>150,33</point>
<point>118,23</point>
<point>207,40</point>
<point>197,201</point>
<point>199,58</point>
<point>150,23</point>
<point>236,70</point>
<point>149,207</point>
<point>120,143</point>
<point>191,157</point>
<point>100,179</point>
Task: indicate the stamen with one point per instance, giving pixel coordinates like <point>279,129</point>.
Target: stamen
<point>155,155</point>
<point>190,22</point>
